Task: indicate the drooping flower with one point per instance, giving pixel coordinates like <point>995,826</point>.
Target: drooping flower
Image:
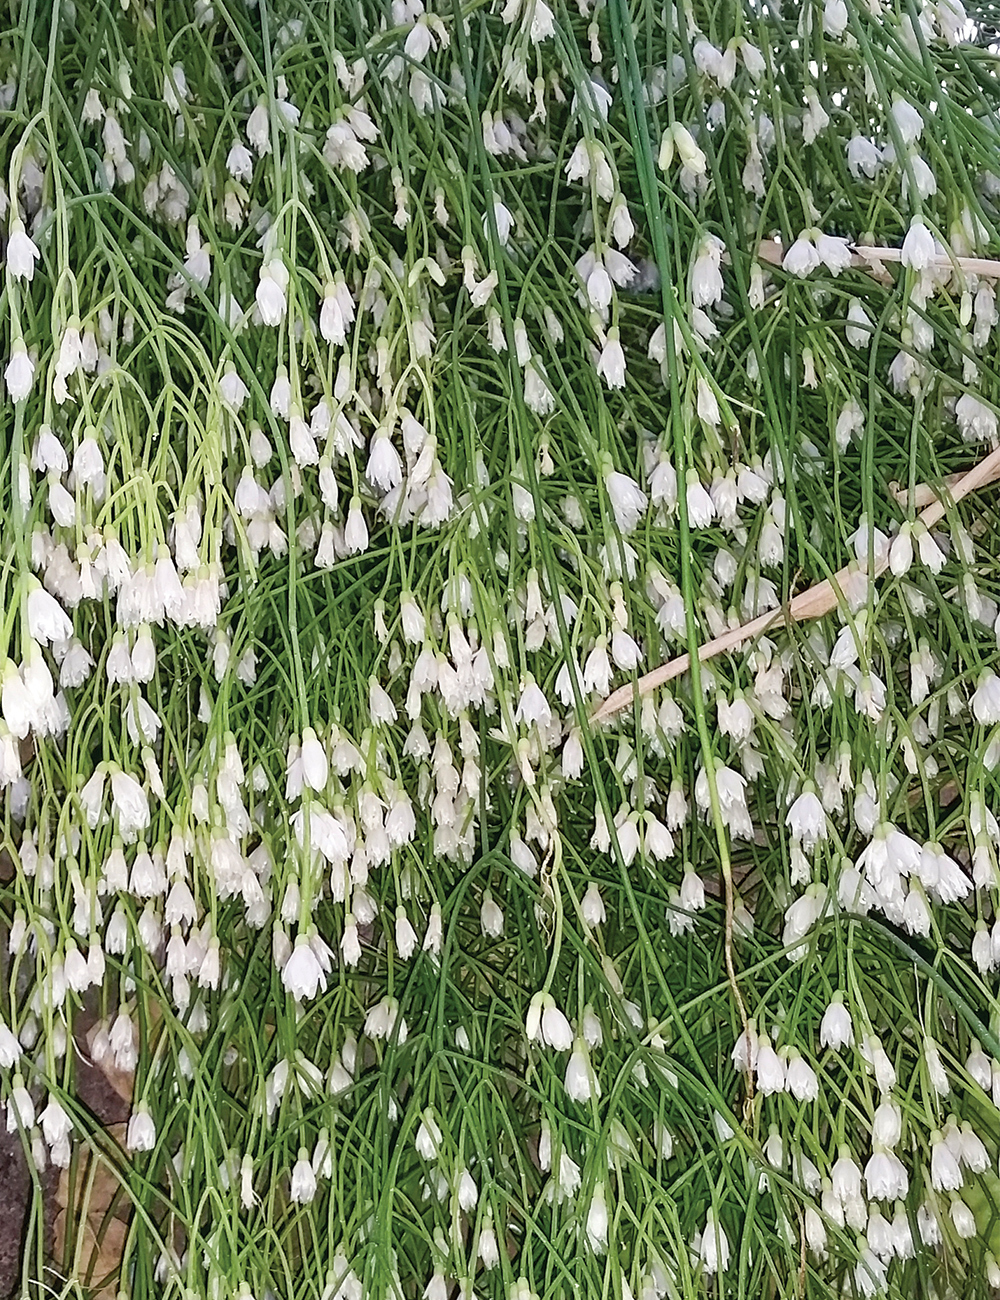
<point>802,257</point>
<point>918,246</point>
<point>141,1132</point>
<point>714,1248</point>
<point>628,501</point>
<point>20,372</point>
<point>22,252</point>
<point>302,975</point>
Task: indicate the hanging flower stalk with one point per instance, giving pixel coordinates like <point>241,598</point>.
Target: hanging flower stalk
<point>395,392</point>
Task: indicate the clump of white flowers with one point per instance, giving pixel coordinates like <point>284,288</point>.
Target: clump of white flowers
<point>499,690</point>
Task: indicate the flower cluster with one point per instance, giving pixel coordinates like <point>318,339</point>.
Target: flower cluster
<point>389,388</point>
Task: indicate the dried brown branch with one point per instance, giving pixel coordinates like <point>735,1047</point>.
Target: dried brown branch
<point>873,259</point>
<point>925,493</point>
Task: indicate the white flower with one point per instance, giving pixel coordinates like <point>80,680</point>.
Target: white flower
<point>382,1021</point>
<point>928,1225</point>
<point>20,1107</point>
<point>141,1132</point>
<point>350,943</point>
<point>870,1274</point>
<point>753,60</point>
<point>47,620</point>
<point>303,1187</point>
<point>622,230</point>
<point>908,121</point>
<point>918,246</point>
<point>580,1081</point>
<point>859,329</point>
<point>800,1079</point>
<point>863,157</point>
<point>385,466</point>
<point>901,551</point>
<point>963,1219</point>
<point>706,273</point>
<point>744,1054</point>
<point>406,936</point>
<point>128,803</point>
<point>597,669</point>
<point>20,372</point>
<point>271,288</point>
<point>628,501</point>
<point>418,42</point>
<point>412,619</point>
<point>835,18</point>
<point>56,1124</point>
<point>875,1056</point>
<point>806,820</point>
<point>887,1125</point>
<point>592,906</point>
<point>886,1178</point>
<point>355,529</point>
<point>770,1068</point>
<point>315,767</point>
<point>533,1020</point>
<point>815,1231</point>
<point>700,507</point>
<point>232,389</point>
<point>380,704</point>
<point>597,1221</point>
<point>326,835</point>
<point>946,1176</point>
<point>802,258</point>
<point>836,1030</point>
<point>986,700</point>
<point>532,707</point>
<point>924,180</point>
<point>972,1151</point>
<point>542,24</point>
<point>428,1139</point>
<point>597,97</point>
<point>879,1233</point>
<point>850,421</point>
<point>578,167</point>
<point>491,917</point>
<point>977,422</point>
<point>708,58</point>
<point>555,1028</point>
<point>611,363</point>
<point>10,1048</point>
<point>845,1178</point>
<point>692,157</point>
<point>303,976</point>
<point>815,117</point>
<point>468,1193</point>
<point>928,549</point>
<point>660,846</point>
<point>706,403</point>
<point>75,969</point>
<point>801,915</point>
<point>259,130</point>
<point>88,465</point>
<point>21,253</point>
<point>600,289</point>
<point>834,252</point>
<point>692,891</point>
<point>239,162</point>
<point>936,1072</point>
<point>504,219</point>
<point>714,1249</point>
